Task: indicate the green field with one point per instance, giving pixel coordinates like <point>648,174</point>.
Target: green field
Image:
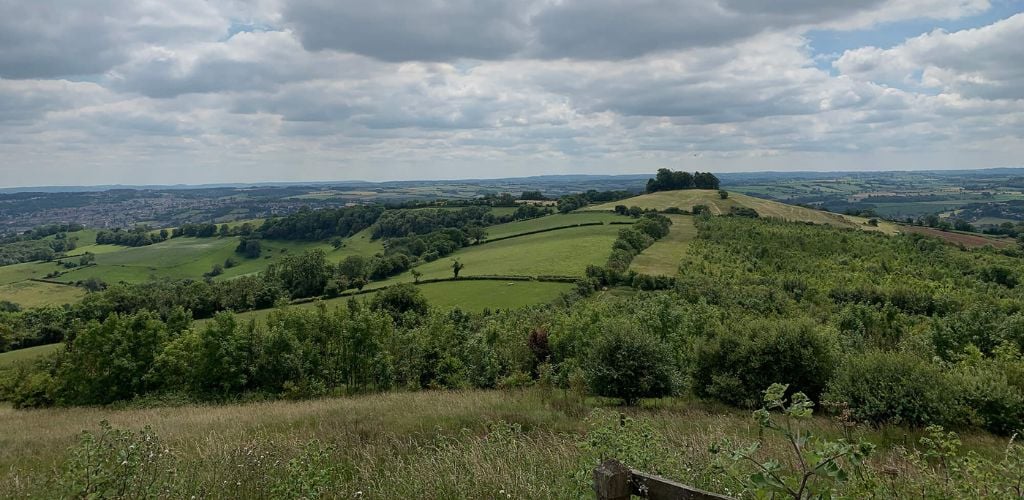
<point>565,252</point>
<point>183,257</point>
<point>552,221</point>
<point>477,295</point>
<point>686,199</point>
<point>662,258</point>
<point>11,357</point>
<point>36,293</point>
<point>26,270</point>
<point>468,295</point>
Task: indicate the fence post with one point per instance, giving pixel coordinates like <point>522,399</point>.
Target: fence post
<point>611,481</point>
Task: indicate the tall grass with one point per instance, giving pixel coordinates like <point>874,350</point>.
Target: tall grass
<point>475,444</point>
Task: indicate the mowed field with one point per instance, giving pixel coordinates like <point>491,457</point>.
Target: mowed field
<point>662,258</point>
<point>564,252</point>
<point>686,199</point>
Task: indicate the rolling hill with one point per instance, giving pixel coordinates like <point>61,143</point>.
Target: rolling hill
<point>686,199</point>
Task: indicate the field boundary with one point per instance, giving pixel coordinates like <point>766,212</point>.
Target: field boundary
<point>52,282</point>
<point>549,229</point>
<point>483,277</point>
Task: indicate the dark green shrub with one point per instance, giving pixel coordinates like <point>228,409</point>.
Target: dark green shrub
<point>629,364</point>
<point>892,387</point>
<point>400,299</point>
<point>989,393</point>
<point>734,365</point>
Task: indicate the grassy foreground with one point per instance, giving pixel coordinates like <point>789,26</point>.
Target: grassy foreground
<point>479,444</point>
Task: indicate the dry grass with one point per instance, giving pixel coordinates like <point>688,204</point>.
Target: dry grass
<point>955,238</point>
<point>686,199</point>
<point>397,445</point>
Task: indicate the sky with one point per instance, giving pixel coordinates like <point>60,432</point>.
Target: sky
<point>206,91</point>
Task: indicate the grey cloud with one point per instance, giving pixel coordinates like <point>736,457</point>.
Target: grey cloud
<point>246,62</point>
<point>433,30</point>
<point>26,101</point>
<point>55,38</point>
<point>413,30</point>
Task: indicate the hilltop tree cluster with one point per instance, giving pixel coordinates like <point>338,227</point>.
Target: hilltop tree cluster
<point>668,180</point>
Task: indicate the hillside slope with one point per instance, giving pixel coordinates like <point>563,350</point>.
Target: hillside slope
<point>686,199</point>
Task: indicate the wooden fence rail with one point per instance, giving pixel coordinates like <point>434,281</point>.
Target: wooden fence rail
<point>615,481</point>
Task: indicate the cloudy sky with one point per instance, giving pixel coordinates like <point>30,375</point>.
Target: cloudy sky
<point>196,91</point>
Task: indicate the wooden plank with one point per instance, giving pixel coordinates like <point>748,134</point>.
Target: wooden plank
<point>658,488</point>
<point>611,481</point>
<point>615,481</point>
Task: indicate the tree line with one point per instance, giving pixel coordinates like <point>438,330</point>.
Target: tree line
<point>669,180</point>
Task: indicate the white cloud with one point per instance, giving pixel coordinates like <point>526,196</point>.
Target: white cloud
<point>983,62</point>
<point>201,91</point>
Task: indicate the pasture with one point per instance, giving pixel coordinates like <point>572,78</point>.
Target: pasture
<point>26,270</point>
<point>552,221</point>
<point>184,257</point>
<point>30,293</point>
<point>662,258</point>
<point>8,359</point>
<point>468,295</point>
<point>565,252</point>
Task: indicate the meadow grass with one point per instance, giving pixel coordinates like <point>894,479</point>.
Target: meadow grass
<point>36,294</point>
<point>26,270</point>
<point>432,444</point>
<point>183,257</point>
<point>552,221</point>
<point>9,358</point>
<point>477,295</point>
<point>662,258</point>
<point>564,252</point>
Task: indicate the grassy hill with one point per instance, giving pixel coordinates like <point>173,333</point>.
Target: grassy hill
<point>564,252</point>
<point>686,199</point>
<point>553,221</point>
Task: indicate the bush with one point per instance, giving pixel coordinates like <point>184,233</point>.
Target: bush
<point>988,391</point>
<point>117,464</point>
<point>891,387</point>
<point>400,299</point>
<point>734,365</point>
<point>629,364</point>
